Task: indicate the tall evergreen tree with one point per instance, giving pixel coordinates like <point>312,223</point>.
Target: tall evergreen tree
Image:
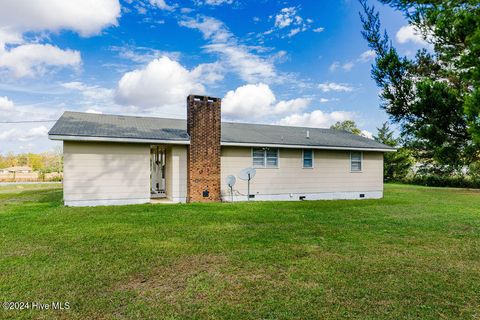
<point>396,165</point>
<point>434,96</point>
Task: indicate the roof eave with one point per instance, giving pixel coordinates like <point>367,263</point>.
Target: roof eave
<point>298,146</point>
<point>114,139</point>
<point>232,144</point>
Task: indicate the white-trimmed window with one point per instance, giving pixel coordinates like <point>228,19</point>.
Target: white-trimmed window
<point>307,158</point>
<point>265,157</point>
<point>356,161</point>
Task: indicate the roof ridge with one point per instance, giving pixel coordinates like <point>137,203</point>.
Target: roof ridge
<point>121,115</point>
<point>229,122</point>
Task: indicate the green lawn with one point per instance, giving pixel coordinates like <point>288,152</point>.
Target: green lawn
<point>413,255</point>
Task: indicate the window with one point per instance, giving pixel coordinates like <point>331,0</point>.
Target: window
<point>258,158</point>
<point>265,157</point>
<point>356,161</point>
<point>308,158</point>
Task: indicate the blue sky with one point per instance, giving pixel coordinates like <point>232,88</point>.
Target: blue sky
<point>284,62</point>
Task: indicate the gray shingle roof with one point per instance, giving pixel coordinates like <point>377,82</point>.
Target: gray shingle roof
<point>78,124</point>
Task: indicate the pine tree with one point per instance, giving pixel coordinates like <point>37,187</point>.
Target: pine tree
<point>435,96</point>
<point>396,165</point>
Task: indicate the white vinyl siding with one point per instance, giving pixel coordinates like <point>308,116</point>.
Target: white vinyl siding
<point>265,157</point>
<point>106,173</point>
<point>356,161</point>
<point>330,172</point>
<point>97,173</point>
<point>307,158</point>
<point>176,173</point>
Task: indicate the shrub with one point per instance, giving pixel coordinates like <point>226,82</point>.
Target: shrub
<point>54,179</point>
<point>433,180</point>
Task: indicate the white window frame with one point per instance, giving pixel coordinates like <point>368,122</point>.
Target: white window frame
<point>361,162</point>
<point>303,159</point>
<point>265,158</point>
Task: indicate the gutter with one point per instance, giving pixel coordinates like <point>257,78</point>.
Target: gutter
<point>226,144</point>
<point>299,146</point>
<point>113,139</point>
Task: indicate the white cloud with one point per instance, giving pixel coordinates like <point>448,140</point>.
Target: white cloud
<point>348,66</point>
<point>410,34</point>
<point>280,57</point>
<point>6,104</point>
<point>36,111</point>
<point>293,32</point>
<point>285,17</point>
<point>22,135</point>
<point>318,30</point>
<point>23,59</point>
<point>13,134</point>
<point>211,28</point>
<point>334,66</point>
<point>214,2</point>
<point>289,18</point>
<point>87,17</point>
<point>248,66</point>
<point>257,101</point>
<point>91,93</point>
<point>293,105</point>
<point>332,86</point>
<point>367,56</point>
<point>92,98</point>
<point>163,82</point>
<point>161,4</point>
<point>315,119</point>
<point>208,72</point>
<point>235,57</point>
<point>33,133</point>
<point>367,134</point>
<point>324,100</point>
<point>30,60</point>
<point>11,37</point>
<point>143,55</point>
<point>93,111</point>
<point>8,134</point>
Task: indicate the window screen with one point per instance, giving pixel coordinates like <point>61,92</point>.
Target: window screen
<point>258,158</point>
<point>355,161</point>
<point>308,158</point>
<point>265,157</point>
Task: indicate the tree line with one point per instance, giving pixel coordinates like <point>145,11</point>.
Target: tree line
<point>403,166</point>
<point>43,162</point>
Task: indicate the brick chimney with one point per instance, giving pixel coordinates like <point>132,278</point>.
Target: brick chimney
<point>203,159</point>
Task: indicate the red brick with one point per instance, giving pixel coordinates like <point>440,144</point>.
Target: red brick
<point>203,157</point>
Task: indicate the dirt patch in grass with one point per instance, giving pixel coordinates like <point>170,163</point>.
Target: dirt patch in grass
<point>203,281</point>
<point>173,281</point>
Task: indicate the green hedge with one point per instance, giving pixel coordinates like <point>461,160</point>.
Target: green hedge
<point>443,181</point>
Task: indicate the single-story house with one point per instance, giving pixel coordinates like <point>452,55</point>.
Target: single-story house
<point>112,159</point>
<point>16,169</point>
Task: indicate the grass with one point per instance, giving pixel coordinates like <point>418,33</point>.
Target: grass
<point>413,255</point>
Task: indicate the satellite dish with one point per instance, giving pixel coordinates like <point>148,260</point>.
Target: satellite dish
<point>230,181</point>
<point>247,174</point>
